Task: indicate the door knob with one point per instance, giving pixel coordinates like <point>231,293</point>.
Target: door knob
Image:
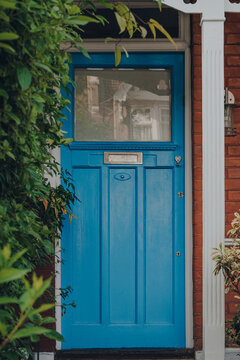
<point>178,160</point>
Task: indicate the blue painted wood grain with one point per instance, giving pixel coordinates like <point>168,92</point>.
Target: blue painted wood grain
<point>120,253</point>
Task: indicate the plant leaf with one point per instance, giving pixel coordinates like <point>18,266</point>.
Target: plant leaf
<point>42,308</point>
<point>159,4</point>
<point>15,118</point>
<point>24,77</point>
<point>121,22</point>
<point>3,93</point>
<point>118,55</point>
<point>143,31</point>
<point>7,47</point>
<point>3,329</point>
<point>163,31</point>
<point>153,30</point>
<point>8,36</point>
<point>38,98</point>
<point>43,66</point>
<point>48,320</point>
<point>11,274</point>
<point>16,256</point>
<point>125,51</point>
<point>7,4</point>
<point>35,330</point>
<point>8,300</point>
<point>52,334</point>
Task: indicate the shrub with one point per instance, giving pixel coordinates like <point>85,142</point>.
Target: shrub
<point>33,70</point>
<point>24,320</point>
<point>228,261</point>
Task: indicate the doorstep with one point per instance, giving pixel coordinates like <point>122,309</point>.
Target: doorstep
<point>125,354</point>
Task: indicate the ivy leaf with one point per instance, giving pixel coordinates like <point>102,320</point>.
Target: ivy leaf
<point>118,55</point>
<point>24,77</point>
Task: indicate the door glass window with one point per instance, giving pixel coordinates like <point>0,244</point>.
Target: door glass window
<point>122,105</point>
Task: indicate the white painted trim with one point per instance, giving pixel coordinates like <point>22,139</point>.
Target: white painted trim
<point>186,8</point>
<point>213,182</point>
<point>188,204</point>
<point>55,181</point>
<point>133,45</point>
<point>44,356</point>
<point>183,44</point>
<point>231,7</point>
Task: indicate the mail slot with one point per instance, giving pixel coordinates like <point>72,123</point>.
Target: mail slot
<point>127,158</point>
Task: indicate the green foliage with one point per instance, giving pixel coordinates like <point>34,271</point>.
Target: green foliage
<point>228,261</point>
<point>34,67</point>
<point>128,22</point>
<point>24,320</point>
<point>233,328</point>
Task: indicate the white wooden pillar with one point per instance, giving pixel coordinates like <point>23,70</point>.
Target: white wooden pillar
<point>212,24</point>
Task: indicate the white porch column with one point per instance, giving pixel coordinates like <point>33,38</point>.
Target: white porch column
<point>213,165</point>
<point>213,175</point>
<point>212,23</point>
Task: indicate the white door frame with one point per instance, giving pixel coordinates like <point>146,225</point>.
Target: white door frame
<point>148,45</point>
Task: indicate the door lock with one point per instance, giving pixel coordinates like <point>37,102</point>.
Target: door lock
<point>178,253</point>
<point>181,194</point>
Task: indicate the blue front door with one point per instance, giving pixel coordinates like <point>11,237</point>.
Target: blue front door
<point>124,255</point>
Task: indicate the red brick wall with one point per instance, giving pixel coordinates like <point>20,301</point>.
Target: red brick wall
<point>46,344</point>
<point>232,158</point>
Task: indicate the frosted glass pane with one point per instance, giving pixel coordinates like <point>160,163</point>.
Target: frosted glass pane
<point>122,105</point>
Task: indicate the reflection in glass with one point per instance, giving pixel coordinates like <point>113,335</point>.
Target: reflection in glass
<point>122,105</point>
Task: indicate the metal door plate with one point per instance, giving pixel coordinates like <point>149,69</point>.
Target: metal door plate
<point>126,158</point>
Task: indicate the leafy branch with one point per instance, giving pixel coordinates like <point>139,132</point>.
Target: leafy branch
<point>29,317</point>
